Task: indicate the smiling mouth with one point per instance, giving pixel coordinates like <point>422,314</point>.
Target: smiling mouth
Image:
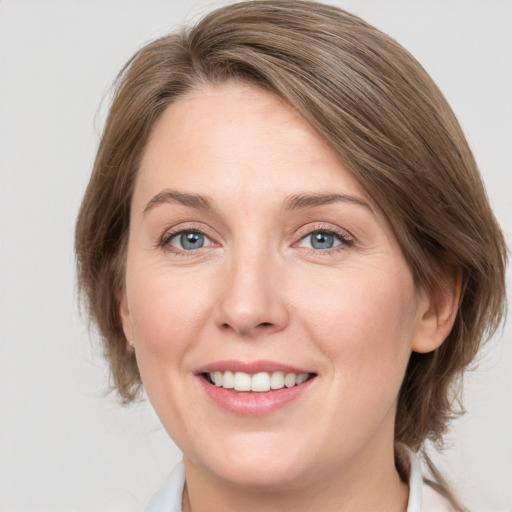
<point>261,382</point>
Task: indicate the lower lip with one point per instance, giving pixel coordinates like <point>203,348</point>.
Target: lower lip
<point>253,403</point>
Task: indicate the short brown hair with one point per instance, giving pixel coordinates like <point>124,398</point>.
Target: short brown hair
<point>385,118</point>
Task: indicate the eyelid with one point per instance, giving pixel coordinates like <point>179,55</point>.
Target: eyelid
<point>347,239</point>
<point>164,240</point>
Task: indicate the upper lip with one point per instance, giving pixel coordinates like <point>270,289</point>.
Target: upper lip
<point>250,367</point>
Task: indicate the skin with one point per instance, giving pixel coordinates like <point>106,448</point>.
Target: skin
<point>258,290</point>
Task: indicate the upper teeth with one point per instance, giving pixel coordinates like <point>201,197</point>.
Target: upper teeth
<point>263,381</point>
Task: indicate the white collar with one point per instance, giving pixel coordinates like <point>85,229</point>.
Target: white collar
<point>415,484</point>
<point>169,496</point>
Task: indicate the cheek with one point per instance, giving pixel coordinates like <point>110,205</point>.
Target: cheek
<point>167,309</point>
<point>364,320</point>
<point>167,317</point>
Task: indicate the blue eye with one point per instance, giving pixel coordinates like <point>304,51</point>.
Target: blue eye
<point>321,240</point>
<point>189,240</point>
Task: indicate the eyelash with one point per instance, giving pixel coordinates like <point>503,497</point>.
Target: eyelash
<point>346,240</point>
<point>165,241</point>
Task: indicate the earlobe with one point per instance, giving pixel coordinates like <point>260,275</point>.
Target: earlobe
<point>438,309</point>
<point>124,315</point>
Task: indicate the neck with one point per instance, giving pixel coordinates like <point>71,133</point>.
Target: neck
<point>367,484</point>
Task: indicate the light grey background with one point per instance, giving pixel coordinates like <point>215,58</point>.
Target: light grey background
<point>64,447</point>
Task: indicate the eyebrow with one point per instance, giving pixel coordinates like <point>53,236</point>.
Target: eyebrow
<point>293,202</point>
<point>186,199</point>
<point>303,201</point>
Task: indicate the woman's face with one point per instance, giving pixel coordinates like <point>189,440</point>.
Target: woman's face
<point>253,253</point>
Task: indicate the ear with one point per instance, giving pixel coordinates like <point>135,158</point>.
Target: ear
<point>124,314</point>
<point>438,310</point>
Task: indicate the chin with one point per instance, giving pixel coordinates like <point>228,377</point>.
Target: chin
<point>259,464</point>
<point>274,476</point>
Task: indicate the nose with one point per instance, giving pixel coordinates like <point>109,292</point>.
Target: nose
<point>251,299</point>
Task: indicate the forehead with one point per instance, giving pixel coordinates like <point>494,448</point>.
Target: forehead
<point>237,139</point>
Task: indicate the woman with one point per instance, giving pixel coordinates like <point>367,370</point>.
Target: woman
<point>286,241</point>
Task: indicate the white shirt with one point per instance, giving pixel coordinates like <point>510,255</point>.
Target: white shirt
<point>422,498</point>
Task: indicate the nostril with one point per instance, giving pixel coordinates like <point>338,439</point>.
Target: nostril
<point>263,326</point>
